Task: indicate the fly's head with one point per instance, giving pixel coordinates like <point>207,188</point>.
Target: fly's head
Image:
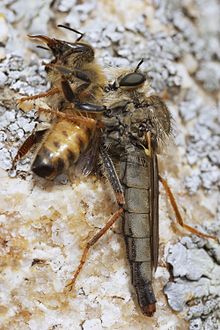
<point>136,114</point>
<point>123,117</point>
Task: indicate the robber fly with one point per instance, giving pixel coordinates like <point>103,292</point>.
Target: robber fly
<point>76,83</point>
<point>135,128</point>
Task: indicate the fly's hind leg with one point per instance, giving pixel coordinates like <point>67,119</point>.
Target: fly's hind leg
<point>171,197</point>
<point>177,212</point>
<point>116,185</point>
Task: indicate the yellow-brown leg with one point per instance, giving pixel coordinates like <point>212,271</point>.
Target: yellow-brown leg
<point>32,140</point>
<point>51,91</point>
<point>148,150</point>
<point>118,191</point>
<point>171,197</point>
<point>75,118</point>
<point>92,241</point>
<point>177,212</point>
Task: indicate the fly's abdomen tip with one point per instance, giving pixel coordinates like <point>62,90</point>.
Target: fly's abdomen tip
<point>149,310</point>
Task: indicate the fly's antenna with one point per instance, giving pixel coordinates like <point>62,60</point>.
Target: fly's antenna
<point>73,30</point>
<point>139,64</point>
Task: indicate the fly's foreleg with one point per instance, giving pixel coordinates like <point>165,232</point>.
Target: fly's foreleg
<point>88,122</point>
<point>25,103</point>
<point>177,212</point>
<point>116,185</point>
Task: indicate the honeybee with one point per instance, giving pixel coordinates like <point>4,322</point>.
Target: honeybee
<point>77,82</point>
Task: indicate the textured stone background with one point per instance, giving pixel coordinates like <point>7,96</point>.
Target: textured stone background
<point>43,226</point>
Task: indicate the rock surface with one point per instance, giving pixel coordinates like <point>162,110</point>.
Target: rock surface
<point>44,226</point>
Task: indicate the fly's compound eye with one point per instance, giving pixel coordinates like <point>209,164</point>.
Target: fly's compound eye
<point>132,80</point>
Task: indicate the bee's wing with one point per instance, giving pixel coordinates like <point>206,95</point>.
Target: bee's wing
<point>88,159</point>
<point>155,211</point>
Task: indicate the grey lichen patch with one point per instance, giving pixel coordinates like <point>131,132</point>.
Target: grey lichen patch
<point>200,40</point>
<point>195,288</point>
<point>15,126</point>
<point>203,143</point>
<point>209,75</point>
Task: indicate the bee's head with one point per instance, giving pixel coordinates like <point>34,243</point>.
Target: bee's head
<point>64,50</point>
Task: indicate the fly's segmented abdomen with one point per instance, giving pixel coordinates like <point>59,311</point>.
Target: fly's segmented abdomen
<point>136,169</point>
<point>61,148</point>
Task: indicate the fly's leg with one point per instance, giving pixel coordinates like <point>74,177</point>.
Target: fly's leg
<point>32,140</point>
<point>148,150</point>
<point>112,176</point>
<point>95,238</point>
<point>22,100</point>
<point>171,197</point>
<point>116,185</point>
<point>177,212</point>
<point>74,118</point>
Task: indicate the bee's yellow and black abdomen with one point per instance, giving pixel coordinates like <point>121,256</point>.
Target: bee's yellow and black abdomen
<point>61,148</point>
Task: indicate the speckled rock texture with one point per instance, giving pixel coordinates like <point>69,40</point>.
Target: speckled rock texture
<point>45,225</point>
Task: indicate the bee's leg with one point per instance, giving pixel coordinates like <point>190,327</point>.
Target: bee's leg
<point>177,212</point>
<point>116,185</point>
<point>32,140</point>
<point>67,74</point>
<point>71,97</point>
<point>22,100</point>
<point>68,92</point>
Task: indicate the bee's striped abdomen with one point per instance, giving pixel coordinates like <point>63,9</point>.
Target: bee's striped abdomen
<point>61,148</point>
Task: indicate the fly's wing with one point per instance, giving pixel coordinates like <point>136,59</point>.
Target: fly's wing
<point>88,159</point>
<point>154,211</point>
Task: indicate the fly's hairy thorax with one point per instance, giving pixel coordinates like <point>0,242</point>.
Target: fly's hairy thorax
<point>132,116</point>
<point>61,148</point>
